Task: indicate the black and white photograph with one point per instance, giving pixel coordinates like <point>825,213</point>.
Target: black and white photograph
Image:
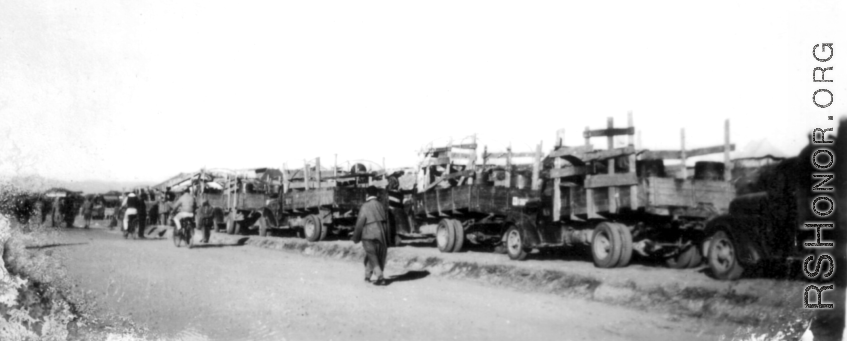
<point>423,170</point>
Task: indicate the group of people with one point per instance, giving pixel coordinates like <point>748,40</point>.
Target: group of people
<point>167,208</point>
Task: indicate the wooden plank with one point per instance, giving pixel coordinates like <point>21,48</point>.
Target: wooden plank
<point>606,154</point>
<point>460,156</point>
<point>448,148</point>
<point>536,168</point>
<point>609,132</point>
<point>504,155</point>
<point>557,189</point>
<point>661,154</point>
<point>610,180</point>
<point>610,143</point>
<point>727,166</point>
<point>677,154</point>
<point>682,154</point>
<point>633,190</point>
<point>556,173</point>
<point>562,151</point>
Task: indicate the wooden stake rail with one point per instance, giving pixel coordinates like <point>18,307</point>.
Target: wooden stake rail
<point>589,194</point>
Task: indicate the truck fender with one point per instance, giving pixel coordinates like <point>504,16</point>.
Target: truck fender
<point>743,232</point>
<point>529,231</point>
<point>270,218</point>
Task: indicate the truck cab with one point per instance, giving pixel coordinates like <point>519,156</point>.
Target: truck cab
<point>762,223</point>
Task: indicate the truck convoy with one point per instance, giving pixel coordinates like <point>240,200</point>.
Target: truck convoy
<point>619,202</point>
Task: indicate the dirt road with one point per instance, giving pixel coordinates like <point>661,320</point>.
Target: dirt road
<point>232,292</point>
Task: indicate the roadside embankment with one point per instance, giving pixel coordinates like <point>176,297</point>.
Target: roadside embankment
<point>764,305</point>
<point>37,300</point>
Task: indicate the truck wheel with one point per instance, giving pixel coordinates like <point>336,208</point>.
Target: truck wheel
<point>722,260</point>
<point>606,245</point>
<point>263,227</point>
<point>514,244</point>
<point>230,226</point>
<point>312,228</point>
<point>458,235</point>
<point>683,259</point>
<point>445,237</point>
<point>626,245</point>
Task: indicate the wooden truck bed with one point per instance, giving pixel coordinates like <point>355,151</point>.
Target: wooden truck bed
<point>479,199</point>
<point>244,201</point>
<point>656,195</point>
<point>343,198</point>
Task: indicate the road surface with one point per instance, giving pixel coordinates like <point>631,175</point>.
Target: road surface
<point>233,292</point>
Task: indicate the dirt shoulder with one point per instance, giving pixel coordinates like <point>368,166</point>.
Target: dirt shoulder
<point>766,305</point>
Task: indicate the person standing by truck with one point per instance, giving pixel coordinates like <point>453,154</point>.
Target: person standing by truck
<point>164,209</point>
<point>372,230</point>
<point>85,211</point>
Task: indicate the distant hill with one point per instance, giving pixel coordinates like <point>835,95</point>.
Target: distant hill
<point>96,186</point>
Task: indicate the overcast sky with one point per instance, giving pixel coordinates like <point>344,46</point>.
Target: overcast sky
<point>141,90</point>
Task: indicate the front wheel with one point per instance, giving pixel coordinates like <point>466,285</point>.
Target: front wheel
<point>445,236</point>
<point>514,244</point>
<point>722,259</point>
<point>177,237</point>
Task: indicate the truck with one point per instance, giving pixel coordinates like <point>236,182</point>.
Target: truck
<point>468,202</point>
<point>316,203</point>
<point>619,201</point>
<point>765,221</point>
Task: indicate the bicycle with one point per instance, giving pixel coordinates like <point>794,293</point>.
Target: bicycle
<point>129,230</point>
<point>185,233</point>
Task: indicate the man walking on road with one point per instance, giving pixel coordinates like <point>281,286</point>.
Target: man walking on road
<point>372,231</point>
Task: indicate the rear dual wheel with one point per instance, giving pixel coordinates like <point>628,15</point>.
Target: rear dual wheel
<point>450,235</point>
<point>611,245</point>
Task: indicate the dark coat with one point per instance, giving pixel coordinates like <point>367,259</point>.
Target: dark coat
<point>372,223</point>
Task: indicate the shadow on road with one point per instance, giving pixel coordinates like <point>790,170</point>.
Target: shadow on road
<point>47,246</point>
<point>240,242</point>
<point>408,276</point>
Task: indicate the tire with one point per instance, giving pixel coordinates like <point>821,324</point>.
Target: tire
<point>626,245</point>
<point>177,237</point>
<point>722,260</point>
<point>458,235</point>
<point>606,245</point>
<point>705,246</point>
<point>188,234</point>
<point>445,236</point>
<point>514,244</point>
<point>683,259</point>
<point>312,228</point>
